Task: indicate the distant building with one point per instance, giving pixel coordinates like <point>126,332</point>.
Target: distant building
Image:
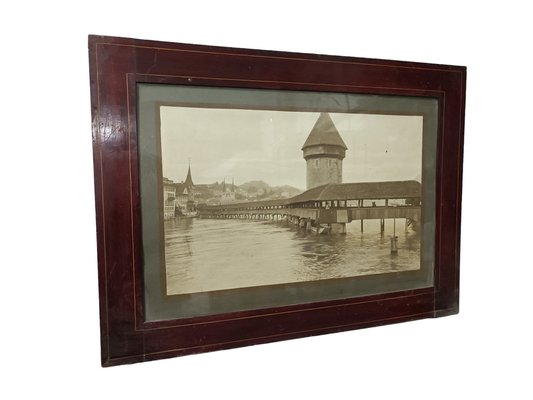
<point>202,192</point>
<point>324,151</point>
<point>185,198</point>
<point>228,194</point>
<point>169,198</point>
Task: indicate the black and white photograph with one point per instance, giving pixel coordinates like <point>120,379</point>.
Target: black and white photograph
<point>265,197</point>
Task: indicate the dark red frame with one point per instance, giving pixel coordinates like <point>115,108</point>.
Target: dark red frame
<point>117,64</point>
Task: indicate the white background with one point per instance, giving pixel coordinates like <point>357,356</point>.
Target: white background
<point>49,325</point>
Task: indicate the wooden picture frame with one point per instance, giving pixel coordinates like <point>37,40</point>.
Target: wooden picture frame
<point>132,79</point>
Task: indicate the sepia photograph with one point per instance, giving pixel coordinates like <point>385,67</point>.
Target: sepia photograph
<point>255,197</point>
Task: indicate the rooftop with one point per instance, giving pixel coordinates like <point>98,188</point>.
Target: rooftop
<point>361,191</point>
<point>188,180</point>
<point>324,133</point>
<point>344,191</point>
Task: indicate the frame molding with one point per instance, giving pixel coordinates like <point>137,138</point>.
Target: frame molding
<point>118,64</point>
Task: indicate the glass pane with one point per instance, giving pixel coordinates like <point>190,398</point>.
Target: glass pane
<point>261,198</point>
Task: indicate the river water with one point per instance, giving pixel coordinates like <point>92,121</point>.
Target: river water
<point>205,255</point>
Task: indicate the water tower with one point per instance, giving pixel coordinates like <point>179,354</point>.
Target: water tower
<point>324,151</point>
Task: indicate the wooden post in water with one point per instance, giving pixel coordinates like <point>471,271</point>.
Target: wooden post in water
<point>394,245</point>
<point>360,206</point>
<point>394,240</point>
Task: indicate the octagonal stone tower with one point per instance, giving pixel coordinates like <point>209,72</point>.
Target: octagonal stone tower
<point>324,151</point>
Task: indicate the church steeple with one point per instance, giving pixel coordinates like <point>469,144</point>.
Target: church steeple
<point>188,181</point>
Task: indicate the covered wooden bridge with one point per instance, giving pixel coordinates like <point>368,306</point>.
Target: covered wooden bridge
<point>328,208</point>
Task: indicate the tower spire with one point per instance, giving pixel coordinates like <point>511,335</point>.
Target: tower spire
<point>188,180</point>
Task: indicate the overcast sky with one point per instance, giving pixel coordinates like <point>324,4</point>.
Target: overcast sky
<point>266,145</point>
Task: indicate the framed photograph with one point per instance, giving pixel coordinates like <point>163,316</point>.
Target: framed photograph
<point>248,196</point>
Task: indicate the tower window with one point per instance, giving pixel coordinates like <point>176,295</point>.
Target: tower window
<point>329,163</point>
<point>316,163</point>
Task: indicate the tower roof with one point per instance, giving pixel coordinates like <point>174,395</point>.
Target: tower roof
<point>188,180</point>
<point>324,133</point>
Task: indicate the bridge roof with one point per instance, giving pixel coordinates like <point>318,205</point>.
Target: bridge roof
<point>249,204</point>
<point>360,191</point>
<point>342,191</point>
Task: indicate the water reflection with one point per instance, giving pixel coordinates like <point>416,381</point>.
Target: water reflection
<point>204,255</point>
